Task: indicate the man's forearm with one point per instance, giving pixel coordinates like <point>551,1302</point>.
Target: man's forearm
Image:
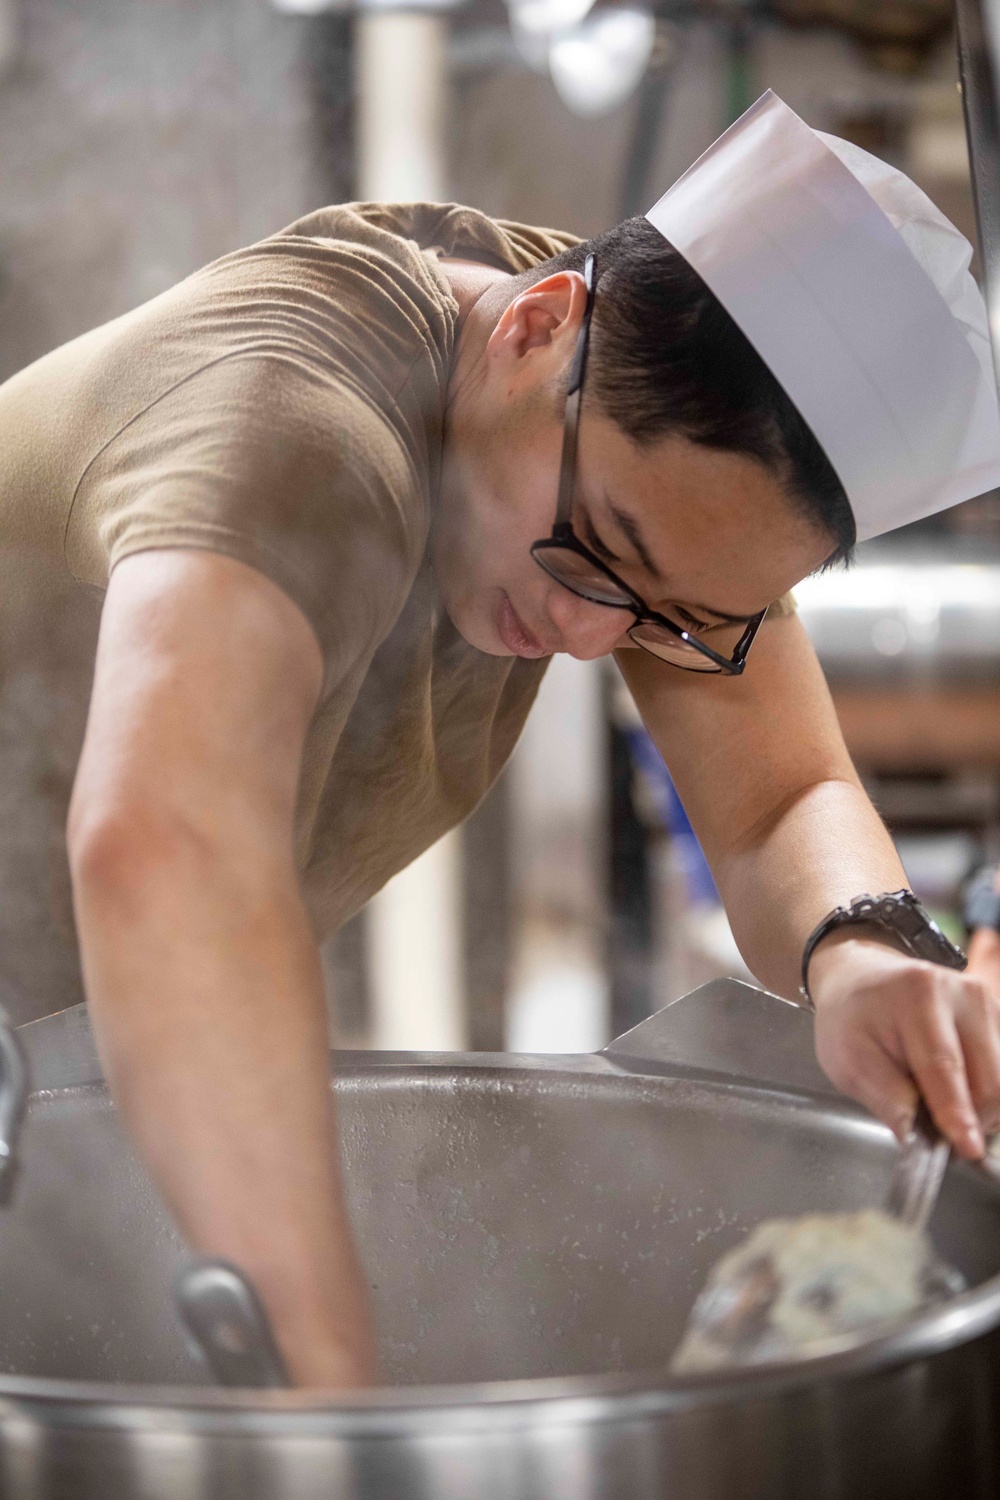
<point>203,980</point>
<point>763,771</point>
<point>823,847</point>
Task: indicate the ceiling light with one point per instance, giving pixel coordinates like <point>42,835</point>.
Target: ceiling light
<point>533,23</point>
<point>596,64</point>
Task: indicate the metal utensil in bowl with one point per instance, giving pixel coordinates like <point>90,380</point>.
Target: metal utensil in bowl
<point>918,1174</point>
<point>225,1320</point>
<point>13,1100</point>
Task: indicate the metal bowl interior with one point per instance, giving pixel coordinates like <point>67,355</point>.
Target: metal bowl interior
<point>520,1220</point>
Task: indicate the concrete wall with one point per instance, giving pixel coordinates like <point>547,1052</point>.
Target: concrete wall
<point>138,141</point>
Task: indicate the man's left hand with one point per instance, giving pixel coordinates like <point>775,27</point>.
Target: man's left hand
<point>890,1028</point>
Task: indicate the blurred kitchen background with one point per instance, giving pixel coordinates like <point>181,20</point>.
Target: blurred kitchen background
<point>140,140</point>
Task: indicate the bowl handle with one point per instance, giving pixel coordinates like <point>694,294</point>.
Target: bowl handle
<point>14,1090</point>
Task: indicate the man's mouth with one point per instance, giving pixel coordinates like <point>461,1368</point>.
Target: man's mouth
<point>515,635</point>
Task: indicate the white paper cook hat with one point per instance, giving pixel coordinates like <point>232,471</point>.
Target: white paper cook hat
<point>855,291</point>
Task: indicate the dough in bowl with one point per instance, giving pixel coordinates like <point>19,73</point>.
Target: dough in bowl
<point>794,1283</point>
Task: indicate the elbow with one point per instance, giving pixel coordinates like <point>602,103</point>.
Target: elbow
<point>121,855</point>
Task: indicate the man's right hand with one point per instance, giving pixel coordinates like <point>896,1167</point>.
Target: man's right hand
<point>201,969</point>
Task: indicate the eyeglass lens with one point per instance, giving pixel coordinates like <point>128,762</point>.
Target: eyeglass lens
<point>580,575</point>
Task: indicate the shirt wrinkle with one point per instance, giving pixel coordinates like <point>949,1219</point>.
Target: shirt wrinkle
<point>283,406</point>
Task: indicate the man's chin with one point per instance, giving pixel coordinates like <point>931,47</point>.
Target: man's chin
<point>476,630</point>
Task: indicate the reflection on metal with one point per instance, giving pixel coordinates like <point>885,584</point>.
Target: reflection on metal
<point>14,1088</point>
<point>979,64</point>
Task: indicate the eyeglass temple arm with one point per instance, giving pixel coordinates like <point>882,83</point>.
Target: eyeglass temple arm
<point>571,424</point>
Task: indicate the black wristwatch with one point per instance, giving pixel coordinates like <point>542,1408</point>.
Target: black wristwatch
<point>981,904</point>
<point>897,913</point>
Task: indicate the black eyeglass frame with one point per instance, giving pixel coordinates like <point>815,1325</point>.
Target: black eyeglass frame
<point>564,539</point>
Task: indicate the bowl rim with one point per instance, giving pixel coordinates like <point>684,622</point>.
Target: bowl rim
<point>564,1400</point>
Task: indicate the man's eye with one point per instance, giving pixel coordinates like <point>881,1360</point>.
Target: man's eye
<point>594,541</point>
<point>690,623</point>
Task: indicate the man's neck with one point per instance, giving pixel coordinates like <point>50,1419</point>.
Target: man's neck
<point>468,280</point>
<point>479,292</point>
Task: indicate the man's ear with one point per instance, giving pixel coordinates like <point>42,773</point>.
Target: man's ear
<point>546,318</point>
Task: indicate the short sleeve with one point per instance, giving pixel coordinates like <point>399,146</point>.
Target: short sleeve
<point>786,605</point>
<point>266,459</point>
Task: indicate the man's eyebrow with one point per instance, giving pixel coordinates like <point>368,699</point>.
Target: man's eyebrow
<point>630,526</point>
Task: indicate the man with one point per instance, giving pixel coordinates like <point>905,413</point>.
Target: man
<point>308,497</point>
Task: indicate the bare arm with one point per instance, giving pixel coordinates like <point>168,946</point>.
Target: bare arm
<point>201,970</point>
<point>789,832</point>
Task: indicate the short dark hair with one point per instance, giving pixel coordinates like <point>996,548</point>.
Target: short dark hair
<point>667,359</point>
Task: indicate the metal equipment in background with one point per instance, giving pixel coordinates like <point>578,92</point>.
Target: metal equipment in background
<point>898,35</point>
<point>530,1281</point>
<point>979,66</point>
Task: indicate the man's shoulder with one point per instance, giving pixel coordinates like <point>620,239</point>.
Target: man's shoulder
<point>455,229</point>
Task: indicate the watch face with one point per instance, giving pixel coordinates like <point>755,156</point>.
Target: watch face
<point>901,913</point>
<point>896,912</point>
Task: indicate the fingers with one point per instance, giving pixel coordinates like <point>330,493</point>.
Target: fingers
<point>877,1081</point>
<point>937,1061</point>
<point>891,1028</point>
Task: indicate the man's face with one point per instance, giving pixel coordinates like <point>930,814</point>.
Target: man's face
<point>684,525</point>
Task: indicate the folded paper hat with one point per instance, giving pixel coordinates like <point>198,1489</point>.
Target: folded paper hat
<point>856,292</point>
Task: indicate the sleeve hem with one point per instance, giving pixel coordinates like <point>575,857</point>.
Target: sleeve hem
<point>207,537</point>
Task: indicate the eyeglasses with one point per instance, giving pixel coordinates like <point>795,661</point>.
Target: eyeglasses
<point>566,559</point>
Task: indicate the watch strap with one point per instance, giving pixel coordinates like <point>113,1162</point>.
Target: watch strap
<point>897,913</point>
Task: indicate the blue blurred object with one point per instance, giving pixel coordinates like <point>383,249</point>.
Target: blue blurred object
<point>669,809</point>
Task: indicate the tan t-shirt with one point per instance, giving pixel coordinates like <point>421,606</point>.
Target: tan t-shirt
<point>283,406</point>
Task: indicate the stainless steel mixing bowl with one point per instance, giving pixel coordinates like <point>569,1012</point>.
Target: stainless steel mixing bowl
<point>535,1230</point>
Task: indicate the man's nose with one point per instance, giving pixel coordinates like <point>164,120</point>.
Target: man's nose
<point>586,630</point>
